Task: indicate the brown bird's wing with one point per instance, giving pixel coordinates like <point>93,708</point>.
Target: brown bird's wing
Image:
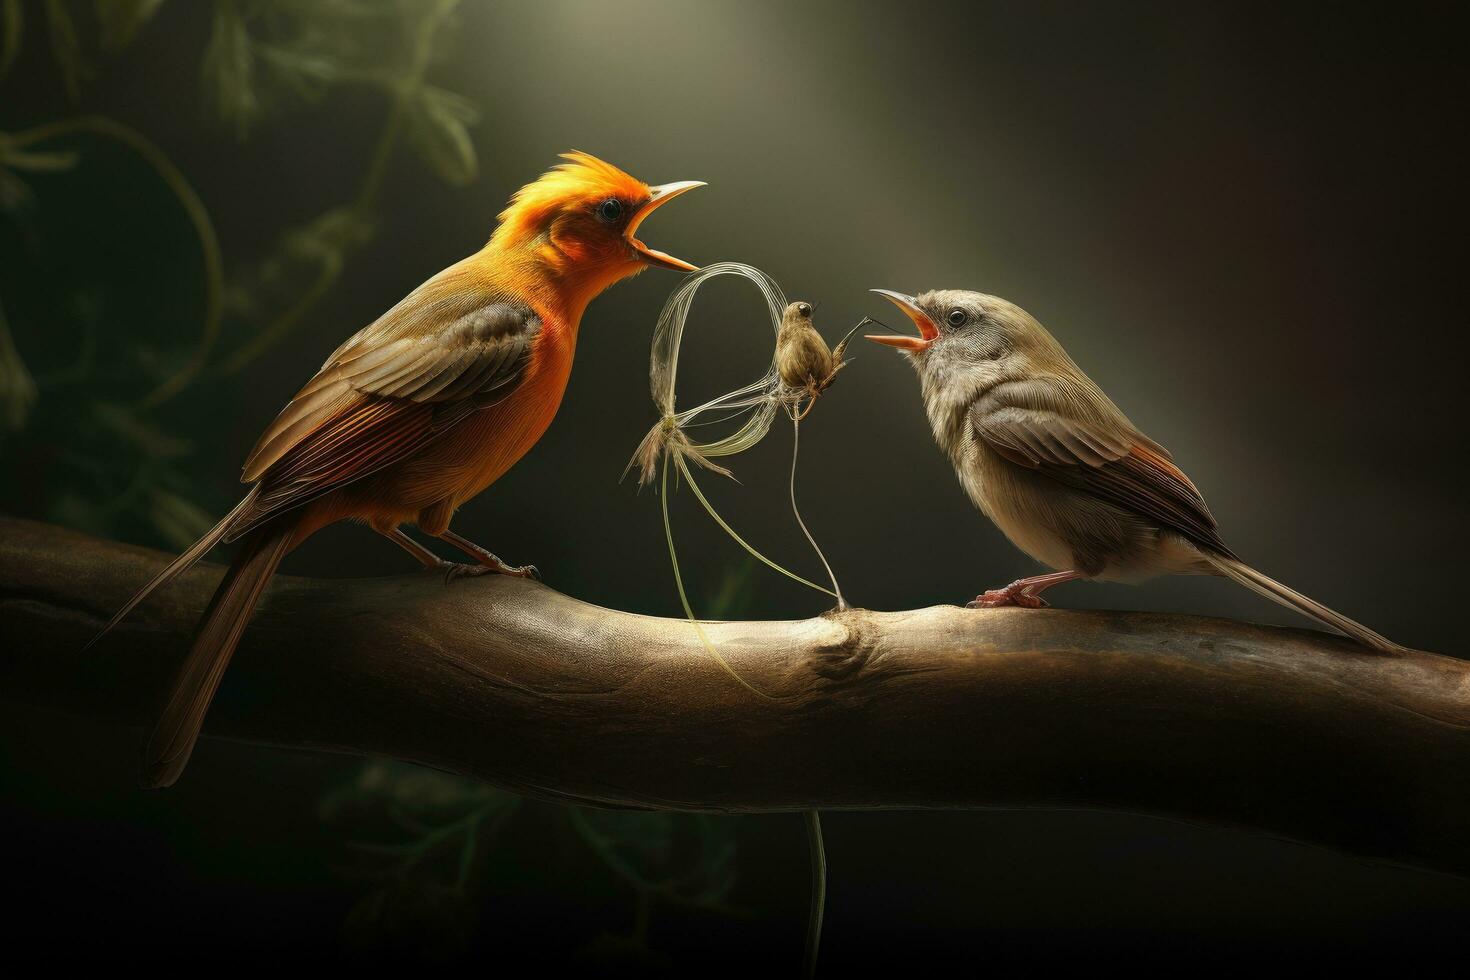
<point>1068,430</point>
<point>449,349</point>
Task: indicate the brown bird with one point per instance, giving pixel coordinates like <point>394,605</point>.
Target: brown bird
<point>420,411</point>
<point>1058,468</point>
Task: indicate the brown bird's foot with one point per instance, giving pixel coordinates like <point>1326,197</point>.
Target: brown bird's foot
<point>995,598</point>
<point>1023,592</point>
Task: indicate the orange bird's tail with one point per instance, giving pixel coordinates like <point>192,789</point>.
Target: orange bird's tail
<point>179,565</point>
<point>219,633</point>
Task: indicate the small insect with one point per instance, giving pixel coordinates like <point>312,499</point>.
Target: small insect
<point>806,366</point>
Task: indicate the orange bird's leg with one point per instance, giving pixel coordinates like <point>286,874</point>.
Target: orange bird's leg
<point>421,554</point>
<point>432,562</point>
<point>488,561</point>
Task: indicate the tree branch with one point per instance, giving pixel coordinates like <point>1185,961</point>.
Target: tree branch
<point>1287,731</point>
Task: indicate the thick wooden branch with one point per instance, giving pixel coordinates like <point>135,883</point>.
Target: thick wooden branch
<point>1291,732</point>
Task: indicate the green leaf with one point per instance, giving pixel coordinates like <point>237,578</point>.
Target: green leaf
<point>438,126</point>
<point>303,68</point>
<point>424,794</point>
<point>229,70</point>
<point>66,47</point>
<point>424,921</point>
<point>180,521</point>
<point>644,838</point>
<point>15,194</point>
<point>714,874</point>
<point>12,23</point>
<point>327,238</point>
<point>120,20</point>
<point>36,161</point>
<point>71,509</point>
<point>17,388</point>
<point>151,440</point>
<point>306,257</point>
<point>735,594</point>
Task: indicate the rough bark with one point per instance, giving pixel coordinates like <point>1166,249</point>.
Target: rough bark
<point>1292,732</point>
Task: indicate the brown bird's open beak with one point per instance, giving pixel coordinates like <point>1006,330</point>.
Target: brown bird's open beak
<point>661,195</point>
<point>928,332</point>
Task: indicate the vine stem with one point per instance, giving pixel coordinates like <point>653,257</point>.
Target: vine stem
<point>283,324</point>
<point>818,909</point>
<point>423,50</point>
<point>663,494</point>
<point>689,477</point>
<point>367,194</point>
<point>193,206</point>
<point>666,890</point>
<point>796,512</point>
<point>812,818</point>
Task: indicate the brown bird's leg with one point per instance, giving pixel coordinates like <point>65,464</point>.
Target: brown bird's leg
<point>1022,592</point>
<point>488,561</point>
<point>813,389</point>
<point>827,381</point>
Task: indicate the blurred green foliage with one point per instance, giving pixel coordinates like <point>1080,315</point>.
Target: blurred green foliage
<point>95,386</point>
<point>83,397</point>
<point>423,842</point>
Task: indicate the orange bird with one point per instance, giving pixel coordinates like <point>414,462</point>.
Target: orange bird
<point>420,411</point>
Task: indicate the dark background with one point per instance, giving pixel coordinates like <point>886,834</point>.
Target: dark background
<point>1246,223</point>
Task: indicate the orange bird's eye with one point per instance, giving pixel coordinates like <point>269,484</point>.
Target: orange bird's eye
<point>610,210</point>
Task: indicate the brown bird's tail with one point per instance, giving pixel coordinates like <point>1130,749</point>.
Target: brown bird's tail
<point>224,621</point>
<point>1270,588</point>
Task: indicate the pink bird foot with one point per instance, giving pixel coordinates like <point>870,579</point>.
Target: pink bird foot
<point>995,598</point>
<point>1024,592</point>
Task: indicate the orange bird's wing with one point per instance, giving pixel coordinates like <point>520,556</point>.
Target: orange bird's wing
<point>1059,428</point>
<point>450,348</point>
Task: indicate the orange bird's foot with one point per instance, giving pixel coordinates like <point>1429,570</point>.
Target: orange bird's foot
<point>518,571</point>
<point>488,560</point>
<point>485,563</point>
<point>458,569</point>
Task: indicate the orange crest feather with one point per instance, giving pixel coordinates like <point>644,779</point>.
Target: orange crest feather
<point>583,177</point>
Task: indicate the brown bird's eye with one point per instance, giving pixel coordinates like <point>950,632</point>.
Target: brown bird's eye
<point>610,210</point>
<point>805,309</point>
<point>956,317</point>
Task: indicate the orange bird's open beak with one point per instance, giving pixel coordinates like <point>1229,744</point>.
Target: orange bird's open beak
<point>661,195</point>
<point>928,332</point>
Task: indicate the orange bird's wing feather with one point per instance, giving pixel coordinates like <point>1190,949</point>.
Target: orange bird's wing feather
<point>1037,424</point>
<point>449,349</point>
